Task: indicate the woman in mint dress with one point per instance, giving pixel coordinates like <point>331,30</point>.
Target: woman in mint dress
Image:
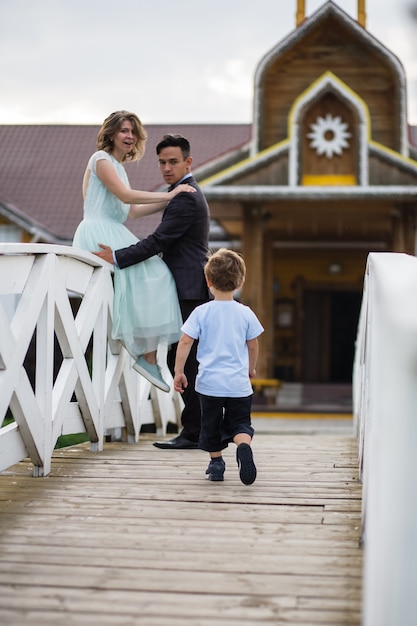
<point>146,312</point>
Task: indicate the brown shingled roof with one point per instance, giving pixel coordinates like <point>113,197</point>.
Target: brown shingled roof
<point>41,168</point>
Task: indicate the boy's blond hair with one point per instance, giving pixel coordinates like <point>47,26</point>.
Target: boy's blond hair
<point>226,270</point>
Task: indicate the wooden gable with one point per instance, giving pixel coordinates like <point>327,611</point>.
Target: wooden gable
<point>322,123</point>
<point>330,40</point>
<point>327,128</point>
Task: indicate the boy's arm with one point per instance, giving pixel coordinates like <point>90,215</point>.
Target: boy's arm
<point>183,350</point>
<point>253,349</point>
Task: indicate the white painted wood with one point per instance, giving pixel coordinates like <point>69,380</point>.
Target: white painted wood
<point>12,281</point>
<point>109,393</point>
<point>385,392</point>
<point>11,445</point>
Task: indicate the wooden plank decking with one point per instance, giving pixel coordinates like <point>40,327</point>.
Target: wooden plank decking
<point>135,535</point>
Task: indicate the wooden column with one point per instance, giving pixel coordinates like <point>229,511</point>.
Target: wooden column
<point>268,339</point>
<point>256,287</point>
<point>398,243</point>
<point>404,230</point>
<point>301,12</point>
<point>409,221</point>
<point>361,13</point>
<point>299,287</point>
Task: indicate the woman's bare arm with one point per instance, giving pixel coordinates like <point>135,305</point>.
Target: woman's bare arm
<point>109,177</point>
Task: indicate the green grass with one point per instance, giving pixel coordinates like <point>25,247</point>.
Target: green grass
<point>63,442</point>
<point>71,440</point>
<point>7,420</point>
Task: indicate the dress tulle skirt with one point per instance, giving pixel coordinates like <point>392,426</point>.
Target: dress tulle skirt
<point>146,312</point>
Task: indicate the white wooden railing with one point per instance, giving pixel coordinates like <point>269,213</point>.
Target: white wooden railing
<point>385,412</point>
<point>37,284</point>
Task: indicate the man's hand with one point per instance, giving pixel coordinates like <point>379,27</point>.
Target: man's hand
<point>106,254</point>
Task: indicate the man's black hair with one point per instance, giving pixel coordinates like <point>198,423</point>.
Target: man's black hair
<point>175,141</point>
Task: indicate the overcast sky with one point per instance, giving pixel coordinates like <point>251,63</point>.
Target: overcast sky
<point>183,61</point>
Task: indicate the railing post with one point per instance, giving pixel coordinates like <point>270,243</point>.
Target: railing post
<point>44,369</point>
<point>387,401</point>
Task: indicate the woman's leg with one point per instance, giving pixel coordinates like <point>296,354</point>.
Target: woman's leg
<point>150,357</point>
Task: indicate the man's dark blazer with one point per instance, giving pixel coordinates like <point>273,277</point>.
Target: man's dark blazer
<point>182,238</point>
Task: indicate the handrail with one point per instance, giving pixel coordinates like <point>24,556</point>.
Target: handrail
<point>385,401</point>
<point>75,395</point>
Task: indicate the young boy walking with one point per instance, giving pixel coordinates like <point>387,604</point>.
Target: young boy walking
<point>227,353</point>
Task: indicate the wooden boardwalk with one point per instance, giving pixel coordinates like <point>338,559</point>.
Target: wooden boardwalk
<point>135,535</point>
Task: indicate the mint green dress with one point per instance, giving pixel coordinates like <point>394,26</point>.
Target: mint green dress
<point>146,312</point>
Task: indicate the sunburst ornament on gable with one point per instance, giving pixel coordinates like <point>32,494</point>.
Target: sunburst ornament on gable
<point>329,135</point>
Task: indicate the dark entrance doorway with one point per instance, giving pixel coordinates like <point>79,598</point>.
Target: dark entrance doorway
<point>329,334</point>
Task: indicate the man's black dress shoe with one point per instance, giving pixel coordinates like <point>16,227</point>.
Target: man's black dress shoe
<point>177,443</point>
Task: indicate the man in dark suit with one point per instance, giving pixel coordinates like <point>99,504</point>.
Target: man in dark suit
<point>182,238</point>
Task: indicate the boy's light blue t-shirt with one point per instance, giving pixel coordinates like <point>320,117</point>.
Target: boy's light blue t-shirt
<point>222,329</point>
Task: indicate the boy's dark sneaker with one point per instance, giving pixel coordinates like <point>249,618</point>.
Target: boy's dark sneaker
<point>247,468</point>
<point>215,470</point>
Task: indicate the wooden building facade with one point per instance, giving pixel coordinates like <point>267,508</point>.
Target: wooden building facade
<point>330,177</point>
